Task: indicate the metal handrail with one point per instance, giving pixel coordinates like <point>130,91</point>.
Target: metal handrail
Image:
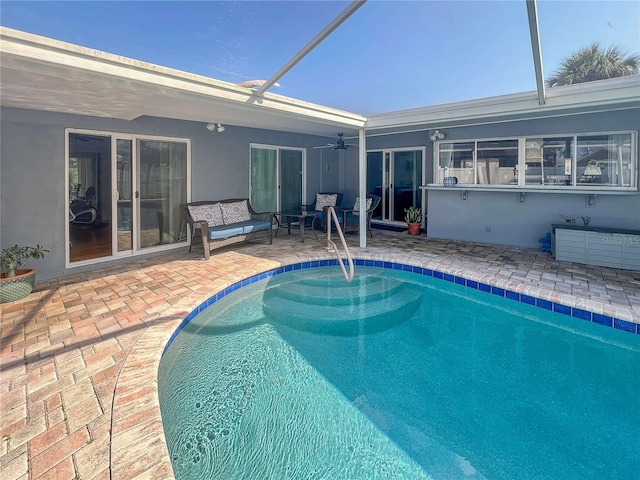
<point>331,246</point>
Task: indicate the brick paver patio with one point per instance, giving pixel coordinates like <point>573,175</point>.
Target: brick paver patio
<point>79,357</point>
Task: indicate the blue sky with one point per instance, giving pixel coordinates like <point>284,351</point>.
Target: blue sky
<point>390,55</point>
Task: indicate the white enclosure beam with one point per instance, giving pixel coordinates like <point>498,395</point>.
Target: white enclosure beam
<point>532,12</point>
<point>326,31</point>
<point>362,186</point>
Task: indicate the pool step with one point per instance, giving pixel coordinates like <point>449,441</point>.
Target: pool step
<point>354,293</point>
<point>335,278</point>
<point>381,311</point>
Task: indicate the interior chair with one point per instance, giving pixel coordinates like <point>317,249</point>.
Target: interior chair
<point>321,203</point>
<point>82,211</point>
<point>350,218</point>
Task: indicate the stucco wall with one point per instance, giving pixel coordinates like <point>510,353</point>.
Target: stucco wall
<point>496,217</point>
<point>510,223</point>
<point>32,174</point>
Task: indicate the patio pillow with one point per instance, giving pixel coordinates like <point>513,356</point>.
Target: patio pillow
<point>325,200</point>
<point>356,206</point>
<point>210,213</point>
<point>235,212</point>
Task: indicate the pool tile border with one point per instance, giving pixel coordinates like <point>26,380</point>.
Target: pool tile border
<point>575,312</point>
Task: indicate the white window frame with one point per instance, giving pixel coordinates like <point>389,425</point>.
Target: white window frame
<point>573,188</point>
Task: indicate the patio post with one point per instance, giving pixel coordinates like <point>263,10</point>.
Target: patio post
<point>362,186</point>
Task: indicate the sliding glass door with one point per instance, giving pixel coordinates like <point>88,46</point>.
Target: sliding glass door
<point>162,167</point>
<point>124,194</point>
<point>395,176</point>
<point>277,178</point>
<point>89,208</point>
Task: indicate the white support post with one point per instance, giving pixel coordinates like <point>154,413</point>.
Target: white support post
<point>362,186</point>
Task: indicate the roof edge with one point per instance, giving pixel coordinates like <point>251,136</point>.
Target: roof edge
<point>612,91</point>
<point>31,46</point>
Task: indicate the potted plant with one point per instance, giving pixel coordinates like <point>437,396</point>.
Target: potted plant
<point>413,217</point>
<point>15,282</point>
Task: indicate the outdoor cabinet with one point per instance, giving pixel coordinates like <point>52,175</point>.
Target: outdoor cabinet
<point>605,247</point>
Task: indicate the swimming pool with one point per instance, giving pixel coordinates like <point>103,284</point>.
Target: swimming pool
<point>425,379</point>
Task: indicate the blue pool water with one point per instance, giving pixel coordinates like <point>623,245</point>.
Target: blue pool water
<point>396,376</point>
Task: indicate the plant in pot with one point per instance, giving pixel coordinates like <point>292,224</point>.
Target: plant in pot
<point>16,282</point>
<point>413,217</point>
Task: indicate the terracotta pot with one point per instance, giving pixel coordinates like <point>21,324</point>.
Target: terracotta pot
<point>17,287</point>
<point>414,228</point>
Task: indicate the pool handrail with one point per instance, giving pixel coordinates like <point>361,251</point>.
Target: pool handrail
<point>331,246</point>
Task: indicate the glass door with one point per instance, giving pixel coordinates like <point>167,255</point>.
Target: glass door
<point>376,184</point>
<point>396,177</point>
<point>264,179</point>
<point>90,214</point>
<point>290,180</point>
<point>162,188</point>
<point>406,178</point>
<point>277,179</point>
<point>123,195</point>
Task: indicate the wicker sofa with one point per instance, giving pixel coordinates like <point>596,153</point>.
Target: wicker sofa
<point>222,222</point>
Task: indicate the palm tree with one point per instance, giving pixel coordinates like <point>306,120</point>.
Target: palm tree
<point>594,63</point>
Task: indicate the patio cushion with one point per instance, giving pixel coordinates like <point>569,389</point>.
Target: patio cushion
<point>210,213</point>
<point>325,200</point>
<point>356,206</point>
<point>224,231</point>
<point>253,226</point>
<point>235,212</point>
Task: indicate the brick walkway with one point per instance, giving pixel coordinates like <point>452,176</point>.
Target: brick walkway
<point>79,356</point>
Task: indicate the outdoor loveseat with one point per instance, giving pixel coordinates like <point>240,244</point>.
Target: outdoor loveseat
<point>222,222</point>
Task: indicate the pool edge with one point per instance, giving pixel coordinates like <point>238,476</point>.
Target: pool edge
<point>137,381</point>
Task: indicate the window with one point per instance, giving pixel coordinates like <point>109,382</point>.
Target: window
<point>548,161</point>
<point>456,160</point>
<point>497,162</point>
<point>593,160</point>
<point>605,160</point>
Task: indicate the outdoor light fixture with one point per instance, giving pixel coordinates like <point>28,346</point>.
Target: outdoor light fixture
<point>436,135</point>
<point>215,126</point>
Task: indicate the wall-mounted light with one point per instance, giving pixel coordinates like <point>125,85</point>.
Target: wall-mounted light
<point>215,126</point>
<point>436,135</point>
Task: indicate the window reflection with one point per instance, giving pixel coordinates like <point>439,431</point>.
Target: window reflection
<point>604,160</point>
<point>548,161</point>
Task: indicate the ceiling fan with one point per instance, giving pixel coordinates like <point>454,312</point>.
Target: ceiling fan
<point>339,145</point>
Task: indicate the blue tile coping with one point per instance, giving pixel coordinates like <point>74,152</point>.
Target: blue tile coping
<point>501,292</point>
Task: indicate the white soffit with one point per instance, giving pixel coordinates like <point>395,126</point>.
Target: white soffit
<point>593,94</point>
<point>39,73</point>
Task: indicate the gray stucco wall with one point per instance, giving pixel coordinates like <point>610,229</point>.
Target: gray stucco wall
<point>496,217</point>
<point>32,174</point>
<point>509,223</point>
<point>32,183</point>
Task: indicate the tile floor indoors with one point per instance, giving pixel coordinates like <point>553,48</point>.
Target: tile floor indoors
<point>79,356</point>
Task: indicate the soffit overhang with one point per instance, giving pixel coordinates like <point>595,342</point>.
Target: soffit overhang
<point>38,73</point>
<point>612,94</point>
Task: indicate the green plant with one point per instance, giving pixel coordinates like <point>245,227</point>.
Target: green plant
<point>14,258</point>
<point>594,63</point>
<point>413,215</point>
